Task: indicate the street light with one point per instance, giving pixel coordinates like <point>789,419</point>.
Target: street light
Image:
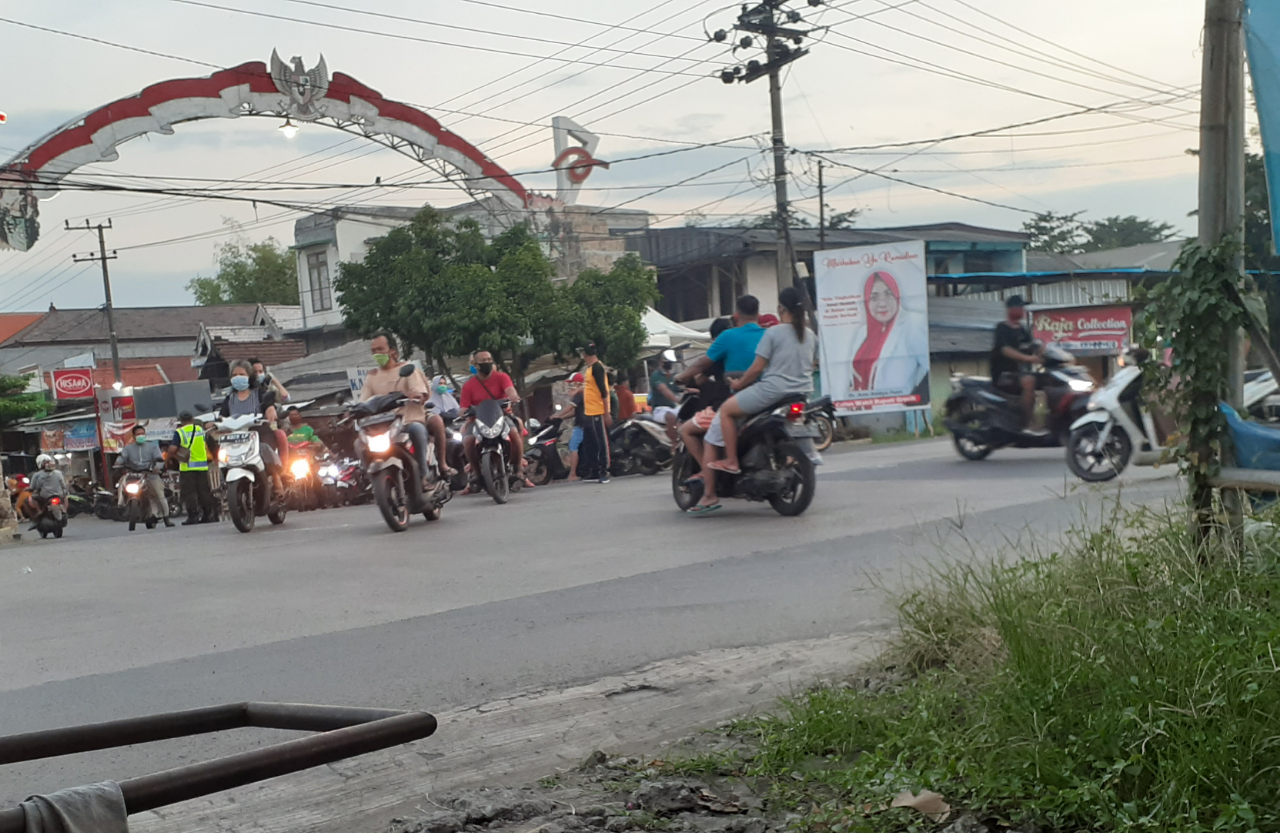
<point>289,129</point>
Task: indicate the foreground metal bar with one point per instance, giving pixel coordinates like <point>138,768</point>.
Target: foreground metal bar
<point>344,733</point>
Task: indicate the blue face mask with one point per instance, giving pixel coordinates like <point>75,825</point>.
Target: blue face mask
<point>240,383</point>
<point>472,368</point>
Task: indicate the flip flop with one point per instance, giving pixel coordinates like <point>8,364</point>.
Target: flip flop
<point>721,465</point>
<point>700,509</point>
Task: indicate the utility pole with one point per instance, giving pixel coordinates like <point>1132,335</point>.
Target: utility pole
<point>766,20</point>
<point>822,209</point>
<point>102,257</point>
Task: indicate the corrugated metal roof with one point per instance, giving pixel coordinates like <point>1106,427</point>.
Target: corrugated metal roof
<point>132,323</point>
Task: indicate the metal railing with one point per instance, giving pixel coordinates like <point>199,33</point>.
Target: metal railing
<point>344,733</point>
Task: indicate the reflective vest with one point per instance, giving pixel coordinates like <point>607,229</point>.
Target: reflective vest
<point>192,437</point>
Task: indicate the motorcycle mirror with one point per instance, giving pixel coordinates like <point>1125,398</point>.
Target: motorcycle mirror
<point>408,370</point>
<point>669,355</point>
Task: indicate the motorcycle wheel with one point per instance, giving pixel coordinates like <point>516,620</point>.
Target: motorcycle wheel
<point>797,500</point>
<point>972,449</point>
<point>826,431</point>
<point>240,504</point>
<point>494,473</point>
<point>538,472</point>
<point>393,502</point>
<point>1094,465</point>
<point>682,468</point>
<point>132,513</point>
<point>646,459</point>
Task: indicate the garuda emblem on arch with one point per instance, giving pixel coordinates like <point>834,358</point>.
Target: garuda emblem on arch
<point>304,87</point>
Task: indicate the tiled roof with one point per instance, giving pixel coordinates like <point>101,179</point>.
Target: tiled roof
<point>132,323</point>
<point>15,322</point>
<point>270,352</point>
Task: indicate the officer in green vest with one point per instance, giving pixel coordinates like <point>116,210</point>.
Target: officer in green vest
<point>192,452</point>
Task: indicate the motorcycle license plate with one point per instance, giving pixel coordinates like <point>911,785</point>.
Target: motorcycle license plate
<point>232,439</point>
<point>800,430</point>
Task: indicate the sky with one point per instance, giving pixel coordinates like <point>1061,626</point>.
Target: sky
<point>643,74</point>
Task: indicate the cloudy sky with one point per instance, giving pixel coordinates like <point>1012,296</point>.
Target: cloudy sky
<point>639,72</point>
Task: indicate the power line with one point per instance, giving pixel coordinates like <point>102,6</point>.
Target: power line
<point>575,19</point>
<point>107,43</point>
<point>955,194</point>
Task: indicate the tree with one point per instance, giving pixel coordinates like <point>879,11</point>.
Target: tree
<point>1118,232</point>
<point>16,404</point>
<point>842,219</point>
<point>607,308</point>
<point>770,220</point>
<point>249,273</point>
<point>1050,232</point>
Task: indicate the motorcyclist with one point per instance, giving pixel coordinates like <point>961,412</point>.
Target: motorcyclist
<point>1014,350</point>
<point>145,458</point>
<point>488,383</point>
<point>46,483</point>
<point>418,423</point>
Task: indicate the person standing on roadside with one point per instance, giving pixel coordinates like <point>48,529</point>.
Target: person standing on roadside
<point>189,446</point>
<point>595,405</point>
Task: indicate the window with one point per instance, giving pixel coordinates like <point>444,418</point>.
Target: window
<point>318,279</point>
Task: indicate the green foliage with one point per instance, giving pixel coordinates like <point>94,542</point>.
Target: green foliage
<point>16,404</point>
<point>1258,254</point>
<point>249,273</point>
<point>1196,314</point>
<point>1117,685</point>
<point>442,289</point>
<point>1068,234</point>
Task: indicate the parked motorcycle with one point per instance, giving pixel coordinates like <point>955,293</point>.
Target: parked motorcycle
<point>354,488</point>
<point>52,518</point>
<point>983,417</point>
<point>496,470</point>
<point>327,475</point>
<point>1118,429</point>
<point>400,487</point>
<point>773,453</point>
<point>137,500</point>
<point>821,414</point>
<point>543,454</point>
<point>646,442</point>
<point>248,487</point>
<point>19,486</point>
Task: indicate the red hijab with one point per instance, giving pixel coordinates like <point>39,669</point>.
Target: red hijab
<point>864,363</point>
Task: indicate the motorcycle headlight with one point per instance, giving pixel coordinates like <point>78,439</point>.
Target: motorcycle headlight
<point>380,443</point>
<point>456,436</point>
<point>329,471</point>
<point>222,455</point>
<point>133,488</point>
<point>300,469</point>
<point>490,431</point>
<point>1080,385</point>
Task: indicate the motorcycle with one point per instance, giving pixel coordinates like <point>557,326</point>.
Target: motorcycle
<point>354,488</point>
<point>821,414</point>
<point>52,518</point>
<point>137,502</point>
<point>400,487</point>
<point>328,474</point>
<point>495,450</point>
<point>1118,429</point>
<point>774,456</point>
<point>246,481</point>
<point>647,444</point>
<point>983,417</point>
<point>543,454</point>
<point>621,461</point>
<point>19,486</point>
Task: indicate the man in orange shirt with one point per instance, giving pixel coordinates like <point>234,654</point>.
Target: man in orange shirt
<point>626,399</point>
<point>595,404</point>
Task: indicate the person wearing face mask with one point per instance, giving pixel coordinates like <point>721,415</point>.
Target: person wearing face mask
<point>248,398</point>
<point>443,400</point>
<point>386,379</point>
<point>145,458</point>
<point>268,382</point>
<point>488,383</point>
<point>46,483</point>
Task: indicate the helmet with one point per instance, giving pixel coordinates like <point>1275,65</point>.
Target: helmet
<point>45,458</point>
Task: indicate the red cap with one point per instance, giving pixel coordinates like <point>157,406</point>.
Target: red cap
<point>769,320</point>
<point>578,379</point>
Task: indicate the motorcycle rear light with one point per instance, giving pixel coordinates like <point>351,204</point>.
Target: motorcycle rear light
<point>55,501</point>
<point>796,412</point>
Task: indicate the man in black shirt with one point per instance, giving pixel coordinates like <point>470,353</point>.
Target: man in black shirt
<point>1014,350</point>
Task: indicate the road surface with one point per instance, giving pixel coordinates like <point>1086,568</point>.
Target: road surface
<point>567,583</point>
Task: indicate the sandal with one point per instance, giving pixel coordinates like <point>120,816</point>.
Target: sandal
<point>721,465</point>
<point>700,509</point>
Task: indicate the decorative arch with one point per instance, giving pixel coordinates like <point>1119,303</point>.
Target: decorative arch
<point>245,90</point>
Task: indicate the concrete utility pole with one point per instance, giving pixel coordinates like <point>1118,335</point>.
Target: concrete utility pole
<point>1222,143</point>
<point>767,19</point>
<point>822,209</point>
<point>103,257</point>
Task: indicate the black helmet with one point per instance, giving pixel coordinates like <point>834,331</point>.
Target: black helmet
<point>1014,301</point>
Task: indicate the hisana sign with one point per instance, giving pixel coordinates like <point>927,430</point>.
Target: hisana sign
<point>1085,331</point>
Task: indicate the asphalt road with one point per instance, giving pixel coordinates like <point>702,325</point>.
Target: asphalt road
<point>566,583</point>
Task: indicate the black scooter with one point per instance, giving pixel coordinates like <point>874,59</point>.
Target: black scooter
<point>500,478</point>
<point>774,459</point>
<point>542,453</point>
<point>52,518</point>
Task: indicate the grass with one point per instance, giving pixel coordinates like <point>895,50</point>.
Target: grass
<point>1125,683</point>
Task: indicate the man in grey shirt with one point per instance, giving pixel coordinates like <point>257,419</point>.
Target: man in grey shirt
<point>142,456</point>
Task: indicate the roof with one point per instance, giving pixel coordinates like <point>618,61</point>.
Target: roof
<point>270,352</point>
<point>287,318</point>
<point>233,333</point>
<point>1157,257</point>
<point>1051,262</point>
<point>132,323</point>
<point>15,322</point>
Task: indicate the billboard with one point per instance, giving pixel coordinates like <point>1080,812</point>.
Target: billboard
<point>1085,331</point>
<point>73,384</point>
<point>873,327</point>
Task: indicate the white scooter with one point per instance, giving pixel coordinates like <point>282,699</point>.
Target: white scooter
<point>1116,430</point>
<point>244,472</point>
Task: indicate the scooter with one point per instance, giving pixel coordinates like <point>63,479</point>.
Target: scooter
<point>647,443</point>
<point>1118,430</point>
<point>52,518</point>
<point>247,483</point>
<point>137,502</point>
<point>400,487</point>
<point>495,450</point>
<point>983,417</point>
<point>821,414</point>
<point>542,453</point>
<point>774,454</point>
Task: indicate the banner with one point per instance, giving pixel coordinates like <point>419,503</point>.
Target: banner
<point>116,435</point>
<point>1085,331</point>
<point>51,438</point>
<point>355,378</point>
<point>1262,37</point>
<point>873,327</point>
<point>73,384</point>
